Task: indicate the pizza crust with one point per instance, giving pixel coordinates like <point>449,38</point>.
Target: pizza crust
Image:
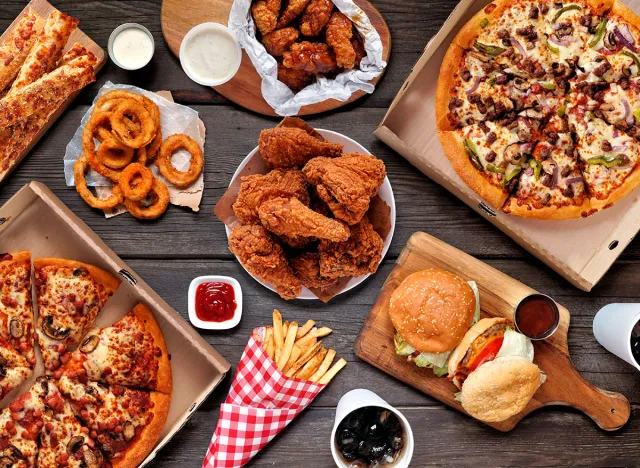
<point>446,82</point>
<point>454,149</point>
<point>470,31</point>
<point>146,440</point>
<point>548,212</point>
<point>107,280</point>
<point>21,256</point>
<point>629,16</point>
<point>165,382</point>
<point>630,183</point>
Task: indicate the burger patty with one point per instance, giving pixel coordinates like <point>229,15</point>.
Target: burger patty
<point>476,347</point>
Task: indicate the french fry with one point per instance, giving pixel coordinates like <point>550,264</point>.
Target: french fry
<point>328,359</point>
<point>304,359</point>
<point>278,335</point>
<point>306,346</point>
<point>295,354</point>
<point>310,367</point>
<point>319,333</point>
<point>285,328</point>
<point>331,373</point>
<point>269,343</point>
<point>306,328</point>
<point>288,345</point>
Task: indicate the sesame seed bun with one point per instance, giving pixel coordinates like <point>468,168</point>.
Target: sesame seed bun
<point>474,332</point>
<point>432,310</point>
<point>501,388</point>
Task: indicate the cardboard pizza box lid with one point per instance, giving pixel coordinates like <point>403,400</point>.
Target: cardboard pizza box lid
<point>601,238</point>
<point>35,219</point>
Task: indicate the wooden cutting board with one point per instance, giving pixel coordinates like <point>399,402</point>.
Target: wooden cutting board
<point>44,9</point>
<point>179,16</point>
<point>499,295</point>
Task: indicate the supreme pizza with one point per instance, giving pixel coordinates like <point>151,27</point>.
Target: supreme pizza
<point>538,106</point>
<point>107,391</point>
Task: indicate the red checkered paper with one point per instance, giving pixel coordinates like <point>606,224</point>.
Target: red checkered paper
<point>262,401</point>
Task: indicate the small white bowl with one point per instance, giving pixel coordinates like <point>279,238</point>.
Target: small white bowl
<point>361,398</point>
<point>194,31</point>
<point>117,31</point>
<point>226,325</point>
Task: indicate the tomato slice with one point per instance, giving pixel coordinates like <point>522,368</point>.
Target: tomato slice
<point>488,353</point>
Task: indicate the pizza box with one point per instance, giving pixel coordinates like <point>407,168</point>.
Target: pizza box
<point>601,237</point>
<point>35,219</point>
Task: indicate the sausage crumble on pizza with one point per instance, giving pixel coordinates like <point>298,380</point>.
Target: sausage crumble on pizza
<point>538,106</point>
<point>106,394</point>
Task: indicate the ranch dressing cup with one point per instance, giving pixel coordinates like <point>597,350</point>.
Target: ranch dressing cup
<point>131,46</point>
<point>210,54</point>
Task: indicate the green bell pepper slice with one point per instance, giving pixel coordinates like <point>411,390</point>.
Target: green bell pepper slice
<point>552,48</point>
<point>484,23</point>
<point>547,85</point>
<point>537,167</point>
<point>633,56</point>
<point>509,177</point>
<point>560,111</point>
<point>601,160</point>
<point>563,10</point>
<point>472,151</point>
<point>489,49</point>
<point>636,114</point>
<point>495,169</point>
<point>599,34</point>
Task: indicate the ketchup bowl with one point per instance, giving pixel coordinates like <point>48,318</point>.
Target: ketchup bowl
<point>217,295</point>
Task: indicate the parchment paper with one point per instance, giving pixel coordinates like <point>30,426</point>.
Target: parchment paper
<point>277,94</point>
<point>174,118</point>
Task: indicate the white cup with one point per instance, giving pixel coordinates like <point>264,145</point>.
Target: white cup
<point>360,398</point>
<point>612,327</point>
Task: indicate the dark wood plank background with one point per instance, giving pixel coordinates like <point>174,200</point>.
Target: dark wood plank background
<point>172,251</point>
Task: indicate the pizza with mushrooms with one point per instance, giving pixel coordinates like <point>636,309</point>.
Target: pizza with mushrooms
<point>538,106</point>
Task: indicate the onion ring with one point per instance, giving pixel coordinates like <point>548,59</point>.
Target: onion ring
<point>79,170</point>
<point>114,154</point>
<point>153,205</point>
<point>108,102</point>
<point>140,114</point>
<point>143,178</point>
<point>171,145</point>
<point>141,155</point>
<point>89,147</point>
<point>154,147</point>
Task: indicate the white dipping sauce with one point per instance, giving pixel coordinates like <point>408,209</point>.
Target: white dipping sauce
<point>211,54</point>
<point>133,48</point>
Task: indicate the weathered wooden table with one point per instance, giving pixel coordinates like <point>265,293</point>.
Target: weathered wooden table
<point>182,245</point>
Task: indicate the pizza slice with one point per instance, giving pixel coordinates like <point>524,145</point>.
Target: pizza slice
<point>551,187</point>
<point>611,52</point>
<point>70,294</point>
<point>64,441</point>
<point>489,156</point>
<point>608,158</point>
<point>14,368</point>
<point>16,307</point>
<point>131,352</point>
<point>125,423</point>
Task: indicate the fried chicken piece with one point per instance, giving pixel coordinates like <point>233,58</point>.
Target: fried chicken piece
<point>312,57</point>
<point>339,33</point>
<point>294,79</point>
<point>316,16</point>
<point>262,255</point>
<point>265,14</point>
<point>277,42</point>
<point>292,218</point>
<point>346,183</point>
<point>289,146</point>
<point>258,188</point>
<point>298,242</point>
<point>291,11</point>
<point>358,256</point>
<point>306,266</point>
<point>358,46</point>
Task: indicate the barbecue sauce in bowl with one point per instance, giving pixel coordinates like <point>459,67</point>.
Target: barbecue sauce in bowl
<point>537,316</point>
<point>215,302</point>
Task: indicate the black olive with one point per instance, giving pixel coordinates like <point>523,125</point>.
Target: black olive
<point>390,422</point>
<point>388,457</point>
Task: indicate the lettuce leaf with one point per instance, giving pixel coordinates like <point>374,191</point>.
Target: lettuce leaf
<point>402,347</point>
<point>476,291</point>
<point>436,360</point>
<point>516,344</point>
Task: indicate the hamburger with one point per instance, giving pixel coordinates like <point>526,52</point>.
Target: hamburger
<point>494,370</point>
<point>431,311</point>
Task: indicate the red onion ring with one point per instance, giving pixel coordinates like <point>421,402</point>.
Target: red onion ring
<point>574,180</point>
<point>526,146</point>
<point>554,40</point>
<point>627,111</point>
<point>623,40</point>
<point>516,44</point>
<point>475,85</point>
<point>619,148</point>
<point>616,134</point>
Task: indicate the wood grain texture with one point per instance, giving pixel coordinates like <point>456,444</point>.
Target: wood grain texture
<point>169,253</point>
<point>179,16</point>
<point>44,9</point>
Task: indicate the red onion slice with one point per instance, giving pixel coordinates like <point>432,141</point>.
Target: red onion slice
<point>554,178</point>
<point>574,180</point>
<point>627,111</point>
<point>605,51</point>
<point>616,134</point>
<point>526,146</point>
<point>619,148</point>
<point>623,40</point>
<point>476,83</point>
<point>517,45</point>
<point>555,41</point>
<point>624,29</point>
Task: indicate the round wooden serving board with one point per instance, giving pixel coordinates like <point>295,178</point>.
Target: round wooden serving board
<point>499,295</point>
<point>179,16</point>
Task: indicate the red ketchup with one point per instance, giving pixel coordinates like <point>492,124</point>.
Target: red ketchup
<point>215,302</point>
<point>537,316</point>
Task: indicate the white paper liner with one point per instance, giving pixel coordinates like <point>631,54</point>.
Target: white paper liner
<point>277,94</point>
<point>174,118</point>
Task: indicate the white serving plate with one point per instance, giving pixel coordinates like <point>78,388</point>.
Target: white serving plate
<point>385,193</point>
